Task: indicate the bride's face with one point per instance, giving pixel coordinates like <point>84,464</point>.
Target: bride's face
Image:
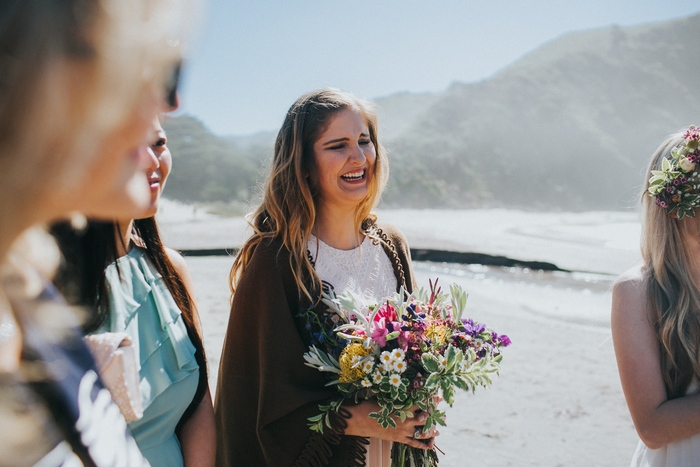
<point>344,158</point>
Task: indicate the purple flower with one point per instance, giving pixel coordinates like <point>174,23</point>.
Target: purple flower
<point>692,134</point>
<point>677,182</point>
<point>670,189</point>
<point>504,340</point>
<point>472,328</point>
<point>661,202</point>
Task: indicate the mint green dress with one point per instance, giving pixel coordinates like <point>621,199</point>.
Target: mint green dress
<point>142,306</point>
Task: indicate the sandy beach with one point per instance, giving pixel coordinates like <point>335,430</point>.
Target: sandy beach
<point>558,401</point>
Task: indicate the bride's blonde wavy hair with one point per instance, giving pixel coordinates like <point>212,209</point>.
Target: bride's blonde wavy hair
<point>287,211</point>
<point>674,297</point>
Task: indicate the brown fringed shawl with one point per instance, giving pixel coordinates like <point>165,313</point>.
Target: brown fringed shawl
<point>265,393</point>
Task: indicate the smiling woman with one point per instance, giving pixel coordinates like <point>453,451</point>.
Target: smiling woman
<point>313,230</point>
<point>343,164</point>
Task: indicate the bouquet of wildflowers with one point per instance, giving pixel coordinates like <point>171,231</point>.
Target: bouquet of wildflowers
<point>402,352</point>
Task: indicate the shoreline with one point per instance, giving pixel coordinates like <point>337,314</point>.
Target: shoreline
<point>597,241</point>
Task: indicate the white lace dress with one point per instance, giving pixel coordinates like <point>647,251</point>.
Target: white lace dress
<point>367,272</point>
<point>683,453</point>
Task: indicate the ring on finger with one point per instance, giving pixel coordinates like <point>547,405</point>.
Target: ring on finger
<point>417,433</point>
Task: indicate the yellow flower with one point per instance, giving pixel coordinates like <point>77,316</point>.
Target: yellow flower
<point>349,357</point>
<point>436,332</point>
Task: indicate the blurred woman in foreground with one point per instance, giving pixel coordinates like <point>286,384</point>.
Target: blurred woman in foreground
<point>81,81</point>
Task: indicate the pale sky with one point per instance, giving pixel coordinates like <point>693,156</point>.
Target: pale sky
<point>253,58</point>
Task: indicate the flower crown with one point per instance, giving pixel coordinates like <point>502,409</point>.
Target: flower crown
<point>676,186</point>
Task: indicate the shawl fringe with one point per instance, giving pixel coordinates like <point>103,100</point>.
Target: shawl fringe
<point>319,449</point>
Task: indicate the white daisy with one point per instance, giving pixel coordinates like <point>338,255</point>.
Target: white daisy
<point>368,366</point>
<point>400,366</point>
<point>366,383</point>
<point>385,357</point>
<point>395,380</point>
<point>377,377</point>
<point>398,354</point>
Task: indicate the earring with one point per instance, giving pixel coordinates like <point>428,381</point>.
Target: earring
<point>78,221</point>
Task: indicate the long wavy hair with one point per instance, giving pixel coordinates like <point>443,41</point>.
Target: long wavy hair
<point>288,210</point>
<point>673,296</point>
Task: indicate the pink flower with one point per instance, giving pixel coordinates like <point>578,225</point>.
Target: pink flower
<point>692,134</point>
<point>386,311</point>
<point>379,331</point>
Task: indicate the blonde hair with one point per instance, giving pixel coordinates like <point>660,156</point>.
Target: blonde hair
<point>117,53</point>
<point>72,73</point>
<point>287,211</point>
<point>674,298</point>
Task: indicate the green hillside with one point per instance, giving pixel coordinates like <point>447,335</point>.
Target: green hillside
<point>209,168</point>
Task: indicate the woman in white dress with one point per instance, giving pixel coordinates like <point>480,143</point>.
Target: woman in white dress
<point>656,311</point>
<point>313,229</point>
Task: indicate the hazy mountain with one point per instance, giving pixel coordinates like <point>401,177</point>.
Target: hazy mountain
<point>260,138</point>
<point>398,112</point>
<point>571,125</point>
<point>207,167</point>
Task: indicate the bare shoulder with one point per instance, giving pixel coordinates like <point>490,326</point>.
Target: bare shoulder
<point>177,261</point>
<point>629,295</point>
<point>629,283</point>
